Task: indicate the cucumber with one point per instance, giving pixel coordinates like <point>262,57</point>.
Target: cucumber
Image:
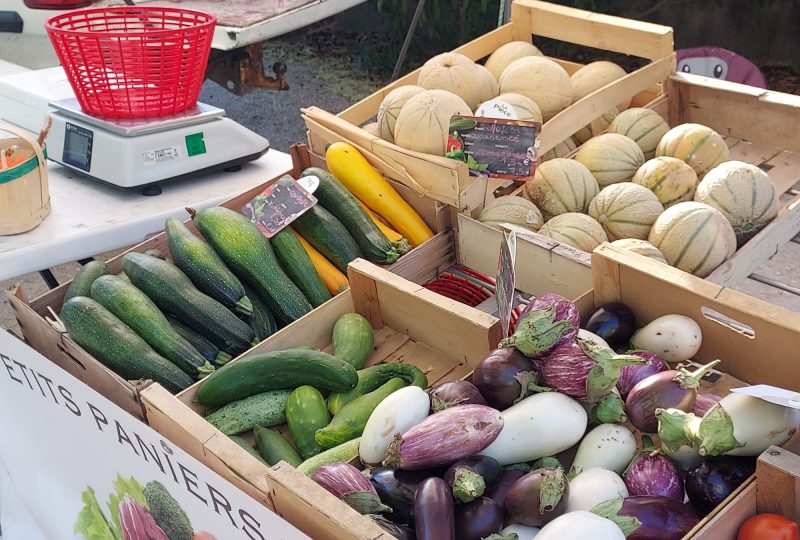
<point>82,282</point>
<point>344,453</point>
<point>372,377</point>
<point>248,447</point>
<point>209,351</point>
<point>203,266</point>
<point>298,266</point>
<point>135,309</point>
<point>349,422</point>
<point>273,370</point>
<point>265,409</point>
<point>116,346</point>
<point>174,293</point>
<point>305,414</point>
<point>353,339</point>
<point>262,321</point>
<point>274,447</point>
<point>336,199</point>
<point>328,236</point>
<point>250,256</point>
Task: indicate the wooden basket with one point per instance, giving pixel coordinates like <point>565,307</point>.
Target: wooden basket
<point>24,195</point>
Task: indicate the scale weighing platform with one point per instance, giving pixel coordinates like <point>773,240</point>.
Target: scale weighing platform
<point>125,153</point>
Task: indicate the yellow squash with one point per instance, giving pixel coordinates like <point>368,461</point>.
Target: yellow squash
<point>334,280</point>
<point>354,171</point>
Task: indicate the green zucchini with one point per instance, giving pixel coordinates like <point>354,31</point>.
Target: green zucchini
<point>328,236</point>
<point>245,250</point>
<point>305,414</point>
<point>274,447</point>
<point>203,266</point>
<point>209,351</point>
<point>337,200</point>
<point>82,282</point>
<point>295,261</point>
<point>174,293</point>
<point>262,321</point>
<point>349,422</point>
<point>265,409</point>
<point>353,339</point>
<point>119,348</point>
<point>248,447</point>
<point>372,377</point>
<point>344,453</point>
<point>135,309</point>
<point>273,370</point>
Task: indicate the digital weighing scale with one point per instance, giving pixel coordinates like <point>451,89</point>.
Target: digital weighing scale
<point>125,153</point>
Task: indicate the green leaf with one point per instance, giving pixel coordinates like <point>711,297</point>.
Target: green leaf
<point>92,522</point>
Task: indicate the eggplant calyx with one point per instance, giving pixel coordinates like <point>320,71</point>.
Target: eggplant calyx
<point>690,380</point>
<point>554,483</point>
<point>365,502</point>
<point>672,428</point>
<point>537,332</point>
<point>716,433</point>
<point>438,404</point>
<point>496,536</point>
<point>548,462</point>
<point>610,410</point>
<point>468,485</point>
<point>604,375</point>
<point>649,447</point>
<point>524,467</point>
<point>610,510</point>
<point>528,382</point>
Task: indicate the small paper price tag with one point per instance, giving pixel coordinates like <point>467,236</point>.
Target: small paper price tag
<point>773,394</point>
<point>506,280</point>
<point>278,205</point>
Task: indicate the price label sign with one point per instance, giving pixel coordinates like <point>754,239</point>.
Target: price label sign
<point>278,205</point>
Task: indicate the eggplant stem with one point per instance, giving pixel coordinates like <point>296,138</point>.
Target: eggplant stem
<point>691,379</point>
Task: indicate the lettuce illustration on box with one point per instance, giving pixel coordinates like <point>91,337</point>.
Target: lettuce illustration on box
<point>135,513</point>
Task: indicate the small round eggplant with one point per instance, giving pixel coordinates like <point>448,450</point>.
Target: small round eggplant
<point>507,479</point>
<point>478,519</point>
<point>538,497</point>
<point>660,518</point>
<point>630,376</point>
<point>469,477</point>
<point>454,393</point>
<point>434,511</point>
<point>650,473</point>
<point>549,320</point>
<point>708,484</point>
<point>504,376</point>
<point>614,322</point>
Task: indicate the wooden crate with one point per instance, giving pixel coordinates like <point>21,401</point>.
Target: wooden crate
<point>442,337</point>
<point>448,180</point>
<point>51,342</point>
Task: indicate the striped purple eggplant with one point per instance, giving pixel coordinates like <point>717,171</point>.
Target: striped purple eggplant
<point>630,376</point>
<point>651,473</point>
<point>703,403</point>
<point>350,485</point>
<point>445,437</point>
<point>548,321</point>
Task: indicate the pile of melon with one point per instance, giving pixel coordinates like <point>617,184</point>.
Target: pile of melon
<point>669,194</point>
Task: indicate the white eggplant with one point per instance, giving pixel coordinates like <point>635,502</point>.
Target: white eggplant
<point>590,336</point>
<point>593,486</point>
<point>674,338</point>
<point>523,532</point>
<point>538,426</point>
<point>678,432</point>
<point>609,446</point>
<point>741,425</point>
<point>581,525</point>
<point>396,414</point>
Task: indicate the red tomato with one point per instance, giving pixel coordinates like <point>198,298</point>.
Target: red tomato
<point>768,527</point>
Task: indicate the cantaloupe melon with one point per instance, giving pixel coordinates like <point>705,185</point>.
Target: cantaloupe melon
<point>562,149</point>
<point>458,74</point>
<point>671,179</point>
<point>693,237</point>
<point>597,127</point>
<point>499,60</point>
<point>611,157</point>
<point>541,80</point>
<point>522,108</point>
<point>743,193</point>
<point>642,247</point>
<point>625,210</point>
<point>512,209</point>
<point>645,126</point>
<point>391,106</point>
<point>577,230</point>
<point>595,76</point>
<point>560,186</point>
<point>699,146</point>
<point>372,128</point>
<point>424,121</point>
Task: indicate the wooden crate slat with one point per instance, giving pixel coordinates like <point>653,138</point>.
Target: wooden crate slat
<point>752,153</point>
<point>784,170</point>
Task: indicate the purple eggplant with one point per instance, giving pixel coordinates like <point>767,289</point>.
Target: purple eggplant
<point>651,473</point>
<point>538,497</point>
<point>548,321</point>
<point>650,517</point>
<point>703,403</point>
<point>396,489</point>
<point>434,511</point>
<point>478,519</point>
<point>630,376</point>
<point>584,370</point>
<point>708,484</point>
<point>350,485</point>
<point>397,530</point>
<point>614,322</point>
<point>504,377</point>
<point>673,389</point>
<point>508,477</point>
<point>445,437</point>
<point>452,393</point>
<point>469,477</point>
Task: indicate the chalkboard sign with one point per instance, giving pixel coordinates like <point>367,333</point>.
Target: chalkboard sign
<point>278,205</point>
<point>495,147</point>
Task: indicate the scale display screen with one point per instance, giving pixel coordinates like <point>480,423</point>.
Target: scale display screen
<point>78,147</point>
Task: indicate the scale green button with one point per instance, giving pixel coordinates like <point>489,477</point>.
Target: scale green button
<point>195,145</point>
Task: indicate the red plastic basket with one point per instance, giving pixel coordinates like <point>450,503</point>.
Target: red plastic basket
<point>133,61</point>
